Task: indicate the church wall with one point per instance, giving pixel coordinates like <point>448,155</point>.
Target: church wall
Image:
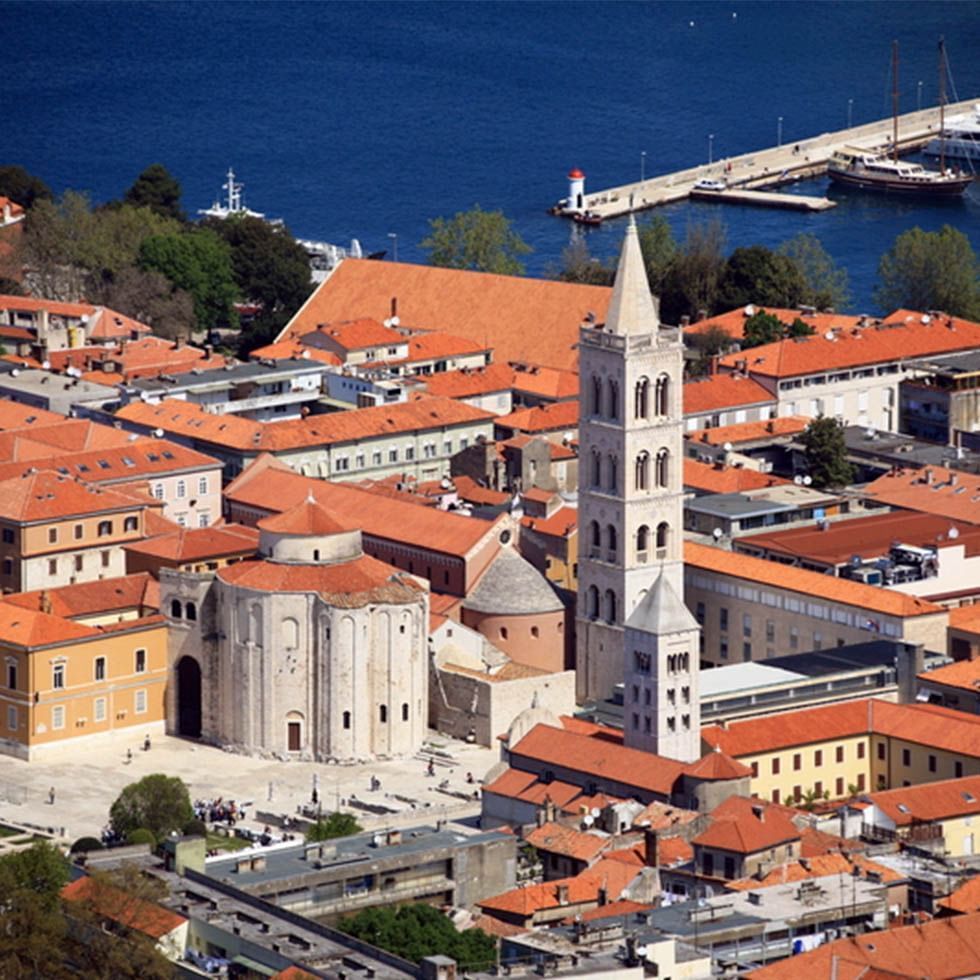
<point>535,640</point>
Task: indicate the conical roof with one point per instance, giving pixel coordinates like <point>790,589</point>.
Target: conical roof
<point>631,309</point>
<point>512,586</point>
<point>716,765</point>
<point>309,518</point>
<point>661,611</point>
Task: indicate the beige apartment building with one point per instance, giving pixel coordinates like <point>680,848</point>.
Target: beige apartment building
<point>752,609</point>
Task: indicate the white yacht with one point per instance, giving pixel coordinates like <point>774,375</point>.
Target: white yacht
<point>960,138</point>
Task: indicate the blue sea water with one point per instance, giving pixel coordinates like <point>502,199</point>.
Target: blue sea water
<point>367,119</point>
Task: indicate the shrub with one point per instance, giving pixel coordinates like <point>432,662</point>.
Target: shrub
<point>84,844</point>
<point>141,836</point>
<point>195,828</point>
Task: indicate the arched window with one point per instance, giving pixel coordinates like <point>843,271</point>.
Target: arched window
<point>663,532</point>
<point>176,609</point>
<point>593,604</point>
<point>130,524</point>
<point>255,624</point>
<point>661,395</point>
<point>346,719</point>
<point>611,541</point>
<point>596,395</point>
<point>671,663</point>
<point>404,711</point>
<point>290,633</point>
<point>105,528</point>
<point>642,542</point>
<point>190,612</point>
<point>610,606</point>
<point>613,481</point>
<point>641,398</point>
<point>613,399</point>
<point>596,469</point>
<point>642,471</point>
<point>663,471</point>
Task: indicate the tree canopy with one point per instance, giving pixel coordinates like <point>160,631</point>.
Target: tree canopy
<point>826,284</point>
<point>826,453</point>
<point>761,328</point>
<point>158,803</point>
<point>579,265</point>
<point>483,241</point>
<point>199,262</point>
<point>930,270</point>
<point>157,189</point>
<point>333,825</point>
<point>659,249</point>
<point>22,187</point>
<point>416,931</point>
<point>758,275</point>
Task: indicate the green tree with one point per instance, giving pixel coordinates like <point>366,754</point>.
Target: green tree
<point>333,825</point>
<point>151,298</point>
<point>706,344</point>
<point>758,275</point>
<point>53,246</point>
<point>114,237</point>
<point>157,189</point>
<point>157,802</point>
<point>799,328</point>
<point>659,251</point>
<point>22,187</point>
<point>691,287</point>
<point>198,262</point>
<point>826,284</point>
<point>416,931</point>
<point>761,328</point>
<point>930,270</point>
<point>579,265</point>
<point>269,266</point>
<point>826,453</point>
<point>480,240</point>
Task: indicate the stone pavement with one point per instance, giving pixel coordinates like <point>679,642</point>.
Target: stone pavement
<point>87,779</point>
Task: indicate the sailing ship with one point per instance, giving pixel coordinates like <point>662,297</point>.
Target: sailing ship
<point>868,170</point>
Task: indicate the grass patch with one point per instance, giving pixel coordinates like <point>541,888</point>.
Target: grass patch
<point>9,831</point>
<point>217,842</point>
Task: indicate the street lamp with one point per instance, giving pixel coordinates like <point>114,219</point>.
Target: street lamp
<point>850,111</point>
<point>779,131</point>
<point>919,99</point>
<point>711,145</point>
<point>394,245</point>
<point>643,165</point>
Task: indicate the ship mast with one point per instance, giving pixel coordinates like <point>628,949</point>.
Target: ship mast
<point>895,100</point>
<point>942,105</point>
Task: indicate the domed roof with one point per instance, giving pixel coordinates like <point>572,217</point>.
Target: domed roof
<point>512,586</point>
<point>575,174</point>
<point>306,519</point>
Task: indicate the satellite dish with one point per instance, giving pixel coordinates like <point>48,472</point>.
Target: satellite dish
<point>750,310</point>
<point>158,433</point>
<point>807,480</point>
<point>46,365</point>
<point>588,820</point>
<point>727,447</point>
<point>14,373</point>
<point>387,322</point>
<point>829,335</point>
<point>954,533</point>
<point>642,950</point>
<point>395,321</point>
<point>717,533</point>
<point>798,480</point>
<point>595,812</point>
<point>926,318</point>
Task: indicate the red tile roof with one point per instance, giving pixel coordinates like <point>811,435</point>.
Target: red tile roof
<point>13,415</point>
<point>872,598</point>
<point>923,724</point>
<point>305,519</point>
<point>189,420</point>
<point>28,304</point>
<point>362,334</point>
<point>37,440</point>
<point>966,898</point>
<point>119,906</point>
<point>903,336</point>
<point>549,384</point>
<point>930,801</point>
<point>721,391</point>
<point>470,382</point>
<point>139,591</point>
<point>147,357</point>
<point>747,826</point>
<point>963,674</point>
<point>522,319</point>
<point>426,346</point>
<point>663,816</point>
<point>733,321</point>
<point>742,432</point>
<point>558,839</point>
<point>544,418</point>
<point>47,496</point>
<point>938,950</point>
<point>529,788</point>
<point>561,524</point>
<point>289,349</point>
<point>672,851</point>
<point>716,765</point>
<point>599,758</point>
<point>932,490</point>
<point>199,543</point>
<point>966,618</point>
<point>726,479</point>
<point>820,866</point>
<point>15,209</point>
<point>468,489</point>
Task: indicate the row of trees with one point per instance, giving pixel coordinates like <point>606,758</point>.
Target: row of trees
<point>922,271</point>
<point>141,256</point>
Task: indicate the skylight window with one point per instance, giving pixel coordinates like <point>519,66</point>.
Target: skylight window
<point>104,464</point>
<point>127,461</point>
<point>903,808</point>
<point>969,797</point>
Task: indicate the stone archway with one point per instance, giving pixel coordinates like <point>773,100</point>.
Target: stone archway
<point>188,697</point>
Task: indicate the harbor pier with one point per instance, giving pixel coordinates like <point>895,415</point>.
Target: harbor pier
<point>766,169</point>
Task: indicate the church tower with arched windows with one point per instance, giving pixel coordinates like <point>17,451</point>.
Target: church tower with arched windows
<point>630,471</point>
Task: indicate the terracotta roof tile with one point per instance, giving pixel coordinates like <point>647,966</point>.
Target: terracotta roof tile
<point>930,801</point>
<point>13,415</point>
<point>45,495</point>
<point>924,724</point>
<point>950,494</point>
<point>817,867</point>
<point>31,628</point>
<point>663,816</point>
<point>721,391</point>
<point>350,584</point>
<point>138,591</point>
<point>716,765</point>
<point>726,479</point>
<point>872,598</point>
<point>558,839</point>
<point>966,898</point>
<point>544,418</point>
<point>965,618</point>
<point>147,357</point>
<point>522,319</point>
<point>549,384</point>
<point>610,909</point>
<point>186,544</point>
<point>121,907</point>
<point>362,334</point>
<point>288,350</point>
<point>964,674</point>
<point>470,382</point>
<point>305,519</point>
<point>191,421</point>
<point>28,304</point>
<point>747,826</point>
<point>431,344</point>
<point>469,490</point>
<point>742,432</point>
<point>733,321</point>
<point>902,336</point>
<point>672,851</point>
<point>561,524</point>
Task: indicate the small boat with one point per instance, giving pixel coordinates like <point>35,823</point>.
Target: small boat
<point>869,170</point>
<point>586,218</point>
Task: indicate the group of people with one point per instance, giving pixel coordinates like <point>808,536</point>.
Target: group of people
<point>219,811</point>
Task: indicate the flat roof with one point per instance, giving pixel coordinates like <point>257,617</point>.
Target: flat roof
<point>967,362</point>
<point>738,677</point>
<point>901,449</point>
<point>220,377</point>
<point>47,383</point>
<point>734,505</point>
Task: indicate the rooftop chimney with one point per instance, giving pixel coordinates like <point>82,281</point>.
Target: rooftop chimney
<point>651,848</point>
<point>563,894</point>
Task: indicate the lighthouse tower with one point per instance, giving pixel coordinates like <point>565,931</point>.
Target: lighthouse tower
<point>576,190</point>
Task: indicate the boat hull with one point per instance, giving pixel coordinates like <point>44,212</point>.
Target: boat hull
<point>958,149</point>
<point>946,189</point>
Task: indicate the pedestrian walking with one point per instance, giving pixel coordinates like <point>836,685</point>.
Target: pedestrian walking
<point>51,796</point>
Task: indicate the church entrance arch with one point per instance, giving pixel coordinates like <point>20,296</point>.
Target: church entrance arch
<point>188,697</point>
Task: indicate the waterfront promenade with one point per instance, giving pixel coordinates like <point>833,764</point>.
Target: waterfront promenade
<point>771,167</point>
